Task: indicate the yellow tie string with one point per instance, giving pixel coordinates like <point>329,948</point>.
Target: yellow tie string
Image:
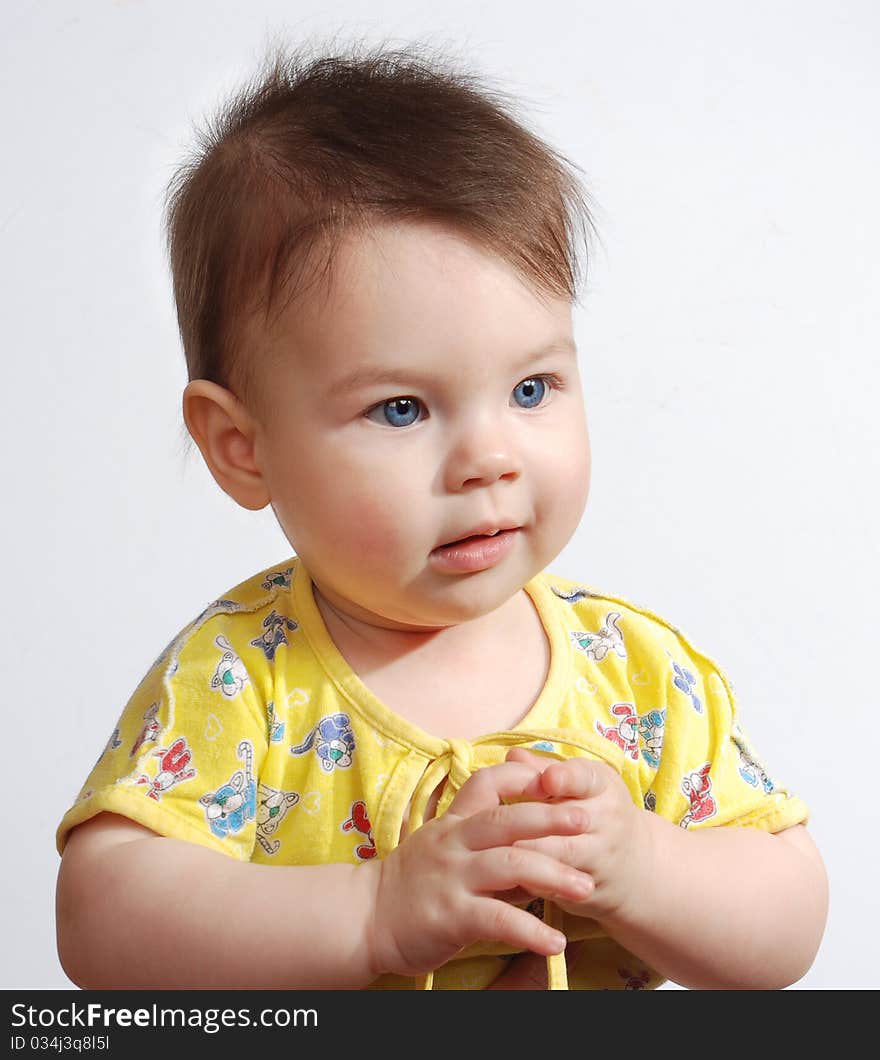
<point>557,973</point>
<point>455,763</point>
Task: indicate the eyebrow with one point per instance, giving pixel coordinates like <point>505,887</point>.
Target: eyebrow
<point>372,376</point>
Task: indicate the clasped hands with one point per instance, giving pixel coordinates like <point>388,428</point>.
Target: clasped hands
<point>527,828</point>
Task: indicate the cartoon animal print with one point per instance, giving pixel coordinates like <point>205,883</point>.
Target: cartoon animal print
<point>597,645</point>
<point>685,682</point>
<point>279,579</point>
<point>109,746</point>
<point>113,742</point>
<point>650,801</point>
<point>149,731</point>
<point>750,769</point>
<point>626,734</point>
<point>634,980</point>
<point>651,728</point>
<point>276,727</point>
<point>272,807</point>
<point>273,633</point>
<point>698,788</point>
<point>230,676</point>
<point>174,768</point>
<point>333,741</point>
<point>233,804</point>
<point>174,647</point>
<point>572,597</point>
<point>361,823</point>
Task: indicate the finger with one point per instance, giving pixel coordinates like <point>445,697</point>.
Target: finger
<point>490,786</point>
<point>524,896</point>
<point>529,758</point>
<point>534,789</point>
<point>502,826</point>
<point>578,778</point>
<point>565,849</point>
<point>496,920</point>
<point>505,868</point>
<point>517,895</point>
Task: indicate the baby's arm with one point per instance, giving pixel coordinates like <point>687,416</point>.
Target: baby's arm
<point>139,910</point>
<point>727,908</point>
<point>713,908</point>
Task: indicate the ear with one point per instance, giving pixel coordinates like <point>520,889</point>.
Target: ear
<point>224,431</point>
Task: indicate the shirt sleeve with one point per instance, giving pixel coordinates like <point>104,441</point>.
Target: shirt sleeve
<point>184,757</point>
<point>702,769</point>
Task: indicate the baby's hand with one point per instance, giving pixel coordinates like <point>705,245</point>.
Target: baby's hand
<point>614,846</point>
<point>436,892</point>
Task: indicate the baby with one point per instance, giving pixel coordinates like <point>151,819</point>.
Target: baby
<point>410,738</point>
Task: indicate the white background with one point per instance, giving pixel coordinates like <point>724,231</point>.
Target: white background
<point>729,344</point>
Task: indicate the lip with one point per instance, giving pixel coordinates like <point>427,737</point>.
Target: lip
<point>478,553</point>
<point>482,530</point>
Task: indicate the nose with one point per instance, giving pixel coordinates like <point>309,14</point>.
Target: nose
<point>481,455</point>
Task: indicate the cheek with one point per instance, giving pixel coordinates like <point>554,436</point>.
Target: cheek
<point>376,496</point>
<point>563,484</point>
<point>579,448</point>
<point>580,476</point>
<point>355,517</point>
<point>585,467</point>
<point>375,528</point>
<point>571,487</point>
<point>565,458</point>
<point>351,500</point>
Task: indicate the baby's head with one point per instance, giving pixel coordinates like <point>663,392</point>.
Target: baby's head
<point>375,267</point>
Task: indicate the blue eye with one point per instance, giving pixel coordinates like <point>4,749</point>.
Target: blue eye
<point>398,412</point>
<point>532,392</point>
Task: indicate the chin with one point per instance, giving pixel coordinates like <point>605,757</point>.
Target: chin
<point>471,597</point>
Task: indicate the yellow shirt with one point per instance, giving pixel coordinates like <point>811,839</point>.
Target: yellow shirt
<point>253,736</point>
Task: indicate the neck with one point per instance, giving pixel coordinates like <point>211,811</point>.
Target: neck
<point>380,637</point>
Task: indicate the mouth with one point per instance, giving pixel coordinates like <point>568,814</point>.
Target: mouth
<point>475,551</point>
<point>479,534</point>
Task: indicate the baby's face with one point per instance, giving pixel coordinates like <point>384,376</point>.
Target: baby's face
<point>432,396</point>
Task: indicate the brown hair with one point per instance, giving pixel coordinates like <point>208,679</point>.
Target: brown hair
<point>318,146</point>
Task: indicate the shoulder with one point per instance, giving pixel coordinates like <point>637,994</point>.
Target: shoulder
<point>253,596</point>
<point>258,606</point>
<point>201,714</point>
<point>655,654</point>
<point>233,641</point>
<point>613,615</point>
